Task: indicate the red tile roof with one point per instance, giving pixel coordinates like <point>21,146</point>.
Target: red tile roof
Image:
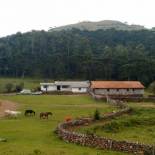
<point>116,84</point>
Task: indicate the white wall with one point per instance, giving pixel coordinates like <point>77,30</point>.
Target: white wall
<point>77,90</point>
<point>49,88</point>
<point>54,87</point>
<point>119,91</point>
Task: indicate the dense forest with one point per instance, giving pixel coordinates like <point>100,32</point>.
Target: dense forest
<point>74,54</point>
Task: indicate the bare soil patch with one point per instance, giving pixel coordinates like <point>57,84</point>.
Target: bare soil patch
<point>6,105</point>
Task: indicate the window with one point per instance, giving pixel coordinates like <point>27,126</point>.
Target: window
<point>117,89</point>
<point>45,86</point>
<point>127,89</point>
<point>133,89</point>
<point>65,86</point>
<point>79,88</point>
<point>108,90</point>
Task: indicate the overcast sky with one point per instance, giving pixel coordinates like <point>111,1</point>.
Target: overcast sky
<point>25,15</point>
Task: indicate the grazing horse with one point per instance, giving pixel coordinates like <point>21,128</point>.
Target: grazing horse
<point>11,113</point>
<point>68,118</point>
<point>45,115</point>
<point>29,112</point>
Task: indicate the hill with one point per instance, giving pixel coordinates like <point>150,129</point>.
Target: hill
<point>74,54</point>
<point>101,25</point>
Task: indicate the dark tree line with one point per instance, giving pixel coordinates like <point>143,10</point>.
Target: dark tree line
<point>75,54</point>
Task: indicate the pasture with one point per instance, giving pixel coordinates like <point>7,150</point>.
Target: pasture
<point>138,127</point>
<point>32,136</point>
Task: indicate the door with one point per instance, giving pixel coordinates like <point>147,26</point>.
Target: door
<point>58,87</point>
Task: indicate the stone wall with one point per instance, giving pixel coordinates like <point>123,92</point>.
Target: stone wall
<point>64,132</point>
<point>128,98</point>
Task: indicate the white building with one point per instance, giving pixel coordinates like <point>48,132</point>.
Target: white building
<point>131,88</point>
<point>48,87</point>
<point>69,86</point>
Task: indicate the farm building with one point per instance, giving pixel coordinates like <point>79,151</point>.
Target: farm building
<point>48,87</point>
<point>128,88</point>
<point>66,86</point>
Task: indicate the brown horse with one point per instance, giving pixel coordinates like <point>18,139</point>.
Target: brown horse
<point>44,115</point>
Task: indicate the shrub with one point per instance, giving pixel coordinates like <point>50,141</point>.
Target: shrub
<point>97,115</point>
<point>9,87</point>
<point>112,127</point>
<point>37,88</point>
<point>151,87</point>
<point>89,132</point>
<point>37,152</point>
<point>19,87</point>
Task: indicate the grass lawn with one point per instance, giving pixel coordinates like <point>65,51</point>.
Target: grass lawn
<point>138,127</point>
<point>32,136</point>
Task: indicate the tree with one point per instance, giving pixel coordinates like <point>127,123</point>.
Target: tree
<point>9,87</point>
<point>74,54</point>
<point>97,115</point>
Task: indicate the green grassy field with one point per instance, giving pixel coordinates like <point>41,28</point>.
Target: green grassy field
<point>32,136</point>
<point>139,126</point>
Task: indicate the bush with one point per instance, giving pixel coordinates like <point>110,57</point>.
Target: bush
<point>37,88</point>
<point>97,115</point>
<point>112,127</point>
<point>9,87</point>
<point>89,132</point>
<point>151,87</point>
<point>19,87</point>
<point>37,152</point>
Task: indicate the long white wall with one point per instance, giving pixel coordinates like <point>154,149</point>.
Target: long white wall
<point>49,88</point>
<point>77,90</point>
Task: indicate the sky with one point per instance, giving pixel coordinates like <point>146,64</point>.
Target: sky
<point>26,15</point>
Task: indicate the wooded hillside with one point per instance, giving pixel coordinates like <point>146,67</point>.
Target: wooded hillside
<point>74,54</point>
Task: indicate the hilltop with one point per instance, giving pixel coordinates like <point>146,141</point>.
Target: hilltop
<point>101,25</point>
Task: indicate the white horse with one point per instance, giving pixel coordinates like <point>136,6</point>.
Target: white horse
<point>11,113</point>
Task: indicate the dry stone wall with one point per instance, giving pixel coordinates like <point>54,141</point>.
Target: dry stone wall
<point>64,132</point>
<point>128,98</point>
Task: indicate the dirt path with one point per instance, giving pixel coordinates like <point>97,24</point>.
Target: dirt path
<point>6,105</point>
